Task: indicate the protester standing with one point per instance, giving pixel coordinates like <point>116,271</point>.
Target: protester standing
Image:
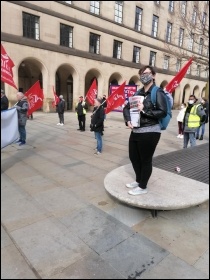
<point>4,101</point>
<point>144,139</point>
<point>81,108</point>
<point>193,118</point>
<point>97,124</point>
<point>22,109</point>
<point>60,109</point>
<point>205,105</point>
<point>180,118</point>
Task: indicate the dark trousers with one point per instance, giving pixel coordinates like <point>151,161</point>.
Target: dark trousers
<point>180,126</point>
<point>61,117</point>
<point>22,132</point>
<point>141,150</point>
<point>81,120</point>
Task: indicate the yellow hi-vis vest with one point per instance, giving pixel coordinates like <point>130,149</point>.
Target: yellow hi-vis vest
<point>83,110</point>
<point>194,119</point>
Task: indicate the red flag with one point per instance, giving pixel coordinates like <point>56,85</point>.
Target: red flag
<point>92,93</point>
<point>116,99</point>
<point>56,99</point>
<point>6,68</point>
<point>179,76</point>
<point>35,98</point>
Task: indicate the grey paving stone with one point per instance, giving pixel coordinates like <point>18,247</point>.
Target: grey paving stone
<point>135,256</point>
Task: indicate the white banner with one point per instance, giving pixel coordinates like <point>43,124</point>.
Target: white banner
<point>9,127</point>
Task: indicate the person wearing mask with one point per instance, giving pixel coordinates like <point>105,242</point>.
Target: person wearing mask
<point>22,109</point>
<point>193,118</point>
<point>60,110</point>
<point>97,124</point>
<point>144,139</point>
<point>81,108</point>
<point>180,118</point>
<point>205,105</point>
<point>4,101</point>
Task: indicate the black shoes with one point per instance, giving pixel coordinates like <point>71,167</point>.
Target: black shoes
<point>197,137</point>
<point>201,137</point>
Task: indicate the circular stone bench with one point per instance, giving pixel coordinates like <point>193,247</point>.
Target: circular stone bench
<point>166,190</point>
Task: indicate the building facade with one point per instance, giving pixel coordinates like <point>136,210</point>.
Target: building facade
<point>66,44</point>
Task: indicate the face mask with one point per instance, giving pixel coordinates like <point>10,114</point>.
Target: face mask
<point>182,107</point>
<point>191,101</point>
<point>146,79</point>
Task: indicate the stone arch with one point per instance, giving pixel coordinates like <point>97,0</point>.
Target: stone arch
<point>115,79</point>
<point>196,91</point>
<point>134,80</point>
<point>203,92</point>
<point>64,83</point>
<point>186,93</point>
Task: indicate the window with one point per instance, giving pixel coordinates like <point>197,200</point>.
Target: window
<point>118,11</point>
<point>157,2</point>
<point>183,8</point>
<point>30,26</point>
<point>198,71</point>
<point>178,65</point>
<point>194,16</point>
<point>117,49</point>
<point>204,18</point>
<point>200,47</point>
<point>171,6</point>
<point>154,26</point>
<point>138,19</point>
<point>95,7</point>
<point>168,32</point>
<point>206,73</point>
<point>181,36</point>
<point>189,70</point>
<point>136,54</point>
<point>191,42</point>
<point>166,62</point>
<point>152,58</point>
<point>94,43</point>
<point>66,35</point>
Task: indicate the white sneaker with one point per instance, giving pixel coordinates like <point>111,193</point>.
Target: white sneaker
<point>137,191</point>
<point>178,136</point>
<point>62,124</point>
<point>181,136</point>
<point>97,153</point>
<point>132,185</point>
<point>58,124</point>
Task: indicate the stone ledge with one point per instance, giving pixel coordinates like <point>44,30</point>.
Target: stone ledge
<point>166,191</point>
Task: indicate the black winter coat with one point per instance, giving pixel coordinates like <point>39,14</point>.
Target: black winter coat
<point>97,119</point>
<point>151,114</point>
<point>61,106</point>
<point>4,103</point>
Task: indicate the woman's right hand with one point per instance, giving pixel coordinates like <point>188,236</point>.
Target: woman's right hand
<point>129,125</point>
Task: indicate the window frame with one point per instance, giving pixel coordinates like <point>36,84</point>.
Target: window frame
<point>138,19</point>
<point>136,54</point>
<point>117,7</point>
<point>29,31</point>
<point>155,21</point>
<point>169,32</point>
<point>64,41</point>
<point>93,7</point>
<point>152,57</point>
<point>96,39</point>
<point>117,49</point>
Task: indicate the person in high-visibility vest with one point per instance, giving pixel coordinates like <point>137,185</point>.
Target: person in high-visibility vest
<point>81,108</point>
<point>193,118</point>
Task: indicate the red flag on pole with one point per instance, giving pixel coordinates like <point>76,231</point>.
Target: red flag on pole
<point>179,76</point>
<point>116,99</point>
<point>35,98</point>
<point>92,93</point>
<point>56,99</point>
<point>6,68</point>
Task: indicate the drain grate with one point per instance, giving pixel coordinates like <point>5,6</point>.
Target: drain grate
<point>193,162</point>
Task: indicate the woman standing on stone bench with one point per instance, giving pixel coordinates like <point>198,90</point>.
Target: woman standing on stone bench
<point>144,139</point>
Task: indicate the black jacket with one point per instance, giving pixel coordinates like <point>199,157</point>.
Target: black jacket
<point>61,106</point>
<point>97,119</point>
<point>151,114</point>
<point>4,103</point>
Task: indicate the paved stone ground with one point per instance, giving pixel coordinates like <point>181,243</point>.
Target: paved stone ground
<point>58,221</point>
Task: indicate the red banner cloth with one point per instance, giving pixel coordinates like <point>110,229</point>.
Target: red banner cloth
<point>92,93</point>
<point>6,68</point>
<point>116,99</point>
<point>56,99</point>
<point>35,98</point>
<point>173,84</point>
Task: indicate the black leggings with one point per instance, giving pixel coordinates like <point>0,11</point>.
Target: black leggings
<point>141,149</point>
